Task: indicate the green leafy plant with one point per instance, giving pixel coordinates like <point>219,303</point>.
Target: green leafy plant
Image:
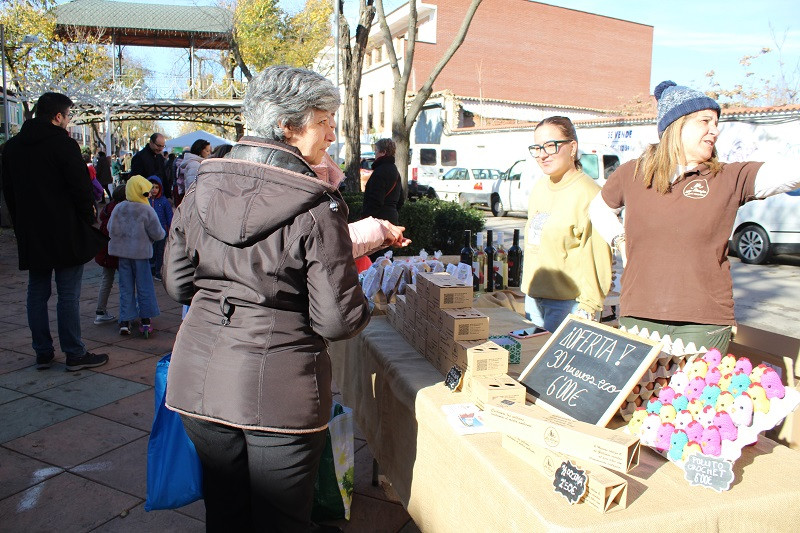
<point>430,224</point>
<point>438,225</point>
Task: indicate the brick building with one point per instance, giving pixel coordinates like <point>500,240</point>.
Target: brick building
<point>519,61</point>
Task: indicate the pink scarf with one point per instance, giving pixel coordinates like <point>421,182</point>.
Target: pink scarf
<point>328,171</point>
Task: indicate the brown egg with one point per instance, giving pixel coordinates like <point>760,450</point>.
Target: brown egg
<point>638,402</point>
<point>654,366</point>
<point>636,389</point>
<point>650,386</point>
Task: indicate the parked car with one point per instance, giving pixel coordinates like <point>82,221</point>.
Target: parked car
<point>767,227</point>
<point>466,186</point>
<point>510,192</point>
<point>365,171</point>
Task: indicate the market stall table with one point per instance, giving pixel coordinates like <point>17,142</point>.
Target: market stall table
<point>458,483</point>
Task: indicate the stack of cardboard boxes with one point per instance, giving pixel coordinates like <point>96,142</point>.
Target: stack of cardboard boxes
<point>436,317</point>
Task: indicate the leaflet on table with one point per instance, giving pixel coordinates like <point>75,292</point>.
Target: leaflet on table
<point>466,418</point>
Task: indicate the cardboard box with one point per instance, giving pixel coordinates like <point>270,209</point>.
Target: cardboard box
<point>400,301</point>
<point>411,296</point>
<point>419,341</point>
<point>488,390</point>
<point>434,314</point>
<point>447,292</point>
<point>781,353</point>
<point>478,359</point>
<point>432,348</point>
<point>609,448</point>
<point>465,324</point>
<point>605,490</point>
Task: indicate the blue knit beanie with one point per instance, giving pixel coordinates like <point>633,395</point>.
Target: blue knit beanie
<point>675,101</point>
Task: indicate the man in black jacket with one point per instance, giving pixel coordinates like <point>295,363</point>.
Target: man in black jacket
<point>148,161</point>
<point>49,195</point>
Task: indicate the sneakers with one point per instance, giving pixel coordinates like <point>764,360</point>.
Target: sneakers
<point>146,328</point>
<point>103,318</point>
<point>44,361</point>
<point>125,328</point>
<point>87,360</point>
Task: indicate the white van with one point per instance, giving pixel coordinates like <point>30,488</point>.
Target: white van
<point>510,192</point>
<point>766,227</point>
<point>430,161</point>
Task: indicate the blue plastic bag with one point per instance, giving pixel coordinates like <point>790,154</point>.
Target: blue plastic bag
<point>174,474</point>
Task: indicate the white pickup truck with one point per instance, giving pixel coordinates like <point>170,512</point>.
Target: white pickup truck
<point>510,192</point>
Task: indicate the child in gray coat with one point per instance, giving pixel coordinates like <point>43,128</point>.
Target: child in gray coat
<point>133,227</point>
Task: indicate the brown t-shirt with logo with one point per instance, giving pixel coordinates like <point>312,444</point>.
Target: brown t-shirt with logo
<point>677,243</point>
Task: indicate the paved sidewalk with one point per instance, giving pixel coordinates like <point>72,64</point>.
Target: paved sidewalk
<point>73,445</point>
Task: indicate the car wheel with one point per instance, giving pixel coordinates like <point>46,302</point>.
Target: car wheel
<point>431,194</point>
<point>752,245</point>
<point>497,206</point>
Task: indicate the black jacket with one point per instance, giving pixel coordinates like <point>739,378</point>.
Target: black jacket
<point>145,163</point>
<point>49,195</point>
<point>383,195</point>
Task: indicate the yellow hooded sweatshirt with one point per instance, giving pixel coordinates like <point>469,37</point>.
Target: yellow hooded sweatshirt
<point>136,188</point>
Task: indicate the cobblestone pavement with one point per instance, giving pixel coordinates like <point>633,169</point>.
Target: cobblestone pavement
<point>73,445</point>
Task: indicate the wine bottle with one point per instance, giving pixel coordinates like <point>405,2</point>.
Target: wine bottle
<point>468,257</point>
<point>491,257</point>
<point>501,266</point>
<point>515,262</point>
<point>480,262</point>
<point>466,251</point>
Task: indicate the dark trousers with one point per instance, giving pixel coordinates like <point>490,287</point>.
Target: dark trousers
<point>255,480</point>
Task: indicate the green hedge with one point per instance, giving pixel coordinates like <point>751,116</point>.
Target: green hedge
<point>430,224</point>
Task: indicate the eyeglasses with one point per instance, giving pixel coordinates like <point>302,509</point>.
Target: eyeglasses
<point>549,148</point>
<point>159,146</point>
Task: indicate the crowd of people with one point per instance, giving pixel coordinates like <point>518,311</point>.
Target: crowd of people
<point>254,238</point>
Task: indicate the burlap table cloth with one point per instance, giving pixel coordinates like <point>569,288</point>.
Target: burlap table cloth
<point>470,483</point>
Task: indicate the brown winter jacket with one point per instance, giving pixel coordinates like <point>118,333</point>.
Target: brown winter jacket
<point>261,248</point>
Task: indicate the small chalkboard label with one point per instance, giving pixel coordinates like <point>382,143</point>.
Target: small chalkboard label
<point>453,378</point>
<point>710,472</point>
<point>570,482</point>
<point>586,369</point>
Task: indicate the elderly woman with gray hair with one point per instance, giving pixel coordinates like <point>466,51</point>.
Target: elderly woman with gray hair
<point>261,248</point>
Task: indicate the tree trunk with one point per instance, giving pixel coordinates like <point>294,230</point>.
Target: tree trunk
<point>403,119</point>
<point>352,59</point>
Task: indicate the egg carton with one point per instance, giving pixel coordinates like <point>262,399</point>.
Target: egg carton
<point>674,356</point>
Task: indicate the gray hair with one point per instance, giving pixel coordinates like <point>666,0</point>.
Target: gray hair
<point>387,146</point>
<point>286,96</point>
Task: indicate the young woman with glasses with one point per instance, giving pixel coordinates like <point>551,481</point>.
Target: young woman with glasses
<point>567,267</point>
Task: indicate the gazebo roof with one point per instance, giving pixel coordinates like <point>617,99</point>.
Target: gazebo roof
<point>164,25</point>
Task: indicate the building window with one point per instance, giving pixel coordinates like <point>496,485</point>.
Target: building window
<point>370,115</point>
<point>382,110</point>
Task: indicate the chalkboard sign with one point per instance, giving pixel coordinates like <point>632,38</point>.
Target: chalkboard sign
<point>711,472</point>
<point>587,369</point>
<point>570,482</point>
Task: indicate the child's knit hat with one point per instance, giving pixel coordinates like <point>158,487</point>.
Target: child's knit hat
<point>137,189</point>
<point>675,101</point>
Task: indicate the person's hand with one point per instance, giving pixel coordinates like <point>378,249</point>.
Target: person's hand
<point>586,315</point>
<point>394,235</point>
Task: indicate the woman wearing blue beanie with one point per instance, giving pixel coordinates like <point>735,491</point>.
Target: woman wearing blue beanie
<point>680,204</point>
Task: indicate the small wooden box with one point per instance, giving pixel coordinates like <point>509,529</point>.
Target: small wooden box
<point>465,324</point>
<point>491,390</point>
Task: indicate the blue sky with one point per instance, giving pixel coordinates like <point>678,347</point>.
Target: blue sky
<point>691,37</point>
